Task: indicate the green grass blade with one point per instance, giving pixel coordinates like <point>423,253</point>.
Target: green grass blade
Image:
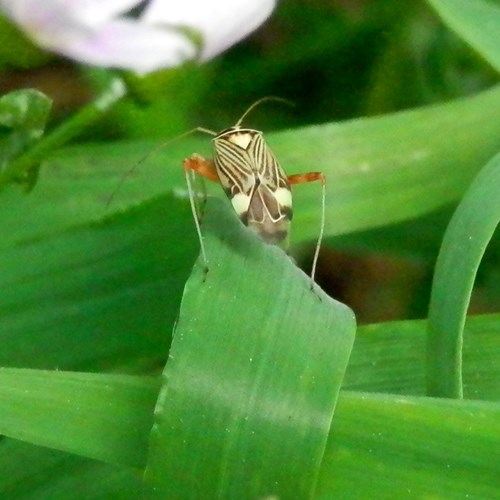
<point>386,357</point>
<point>379,171</point>
<point>106,417</point>
<point>116,284</point>
<point>477,22</point>
<point>464,243</point>
<point>253,375</point>
<point>37,473</point>
<point>390,357</point>
<point>407,447</point>
<point>387,169</point>
<point>415,445</point>
<point>412,442</point>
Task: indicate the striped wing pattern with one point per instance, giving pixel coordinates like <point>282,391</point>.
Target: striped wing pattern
<point>255,182</point>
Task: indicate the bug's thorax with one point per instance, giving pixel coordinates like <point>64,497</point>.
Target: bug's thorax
<point>241,137</point>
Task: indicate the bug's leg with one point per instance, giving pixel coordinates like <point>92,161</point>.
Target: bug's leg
<point>199,192</point>
<point>312,177</point>
<point>150,153</point>
<point>201,166</point>
<point>206,168</point>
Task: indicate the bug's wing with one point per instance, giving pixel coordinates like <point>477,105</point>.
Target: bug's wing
<point>235,169</point>
<point>270,210</point>
<point>255,183</point>
<point>269,213</point>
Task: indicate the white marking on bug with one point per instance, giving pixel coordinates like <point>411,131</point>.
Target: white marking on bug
<point>284,197</point>
<point>240,139</point>
<point>240,202</point>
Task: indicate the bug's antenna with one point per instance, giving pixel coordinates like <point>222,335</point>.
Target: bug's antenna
<point>256,103</point>
<point>126,175</point>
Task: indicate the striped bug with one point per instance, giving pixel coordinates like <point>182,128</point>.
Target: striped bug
<point>256,184</point>
<point>259,190</point>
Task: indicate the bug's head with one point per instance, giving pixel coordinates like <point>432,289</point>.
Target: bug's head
<point>237,135</point>
<point>230,130</point>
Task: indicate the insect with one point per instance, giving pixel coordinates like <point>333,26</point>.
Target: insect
<point>256,184</point>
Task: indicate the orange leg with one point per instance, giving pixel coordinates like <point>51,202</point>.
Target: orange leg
<point>201,166</point>
<point>311,177</point>
<point>205,168</point>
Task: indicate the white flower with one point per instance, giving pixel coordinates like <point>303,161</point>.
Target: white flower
<point>99,32</point>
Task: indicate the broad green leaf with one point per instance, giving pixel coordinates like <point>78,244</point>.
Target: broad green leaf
<point>379,171</point>
<point>464,243</point>
<point>99,295</point>
<point>385,446</point>
<point>107,417</point>
<point>253,374</point>
<point>477,22</point>
<point>76,187</point>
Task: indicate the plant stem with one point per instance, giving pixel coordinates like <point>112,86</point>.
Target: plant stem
<point>72,127</point>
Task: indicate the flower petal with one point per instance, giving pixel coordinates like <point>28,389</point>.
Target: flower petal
<point>128,44</point>
<point>51,12</point>
<point>222,23</point>
<point>95,12</point>
<point>89,31</point>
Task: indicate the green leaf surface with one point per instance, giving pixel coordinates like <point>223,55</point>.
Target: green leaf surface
<point>379,171</point>
<point>387,169</point>
<point>38,473</point>
<point>391,358</point>
<point>98,295</point>
<point>387,357</point>
<point>414,445</point>
<point>411,441</point>
<point>477,22</point>
<point>464,244</point>
<point>107,417</point>
<point>385,446</point>
<point>253,374</point>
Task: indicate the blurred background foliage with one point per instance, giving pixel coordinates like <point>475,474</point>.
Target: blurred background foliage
<point>95,290</point>
<point>335,60</point>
